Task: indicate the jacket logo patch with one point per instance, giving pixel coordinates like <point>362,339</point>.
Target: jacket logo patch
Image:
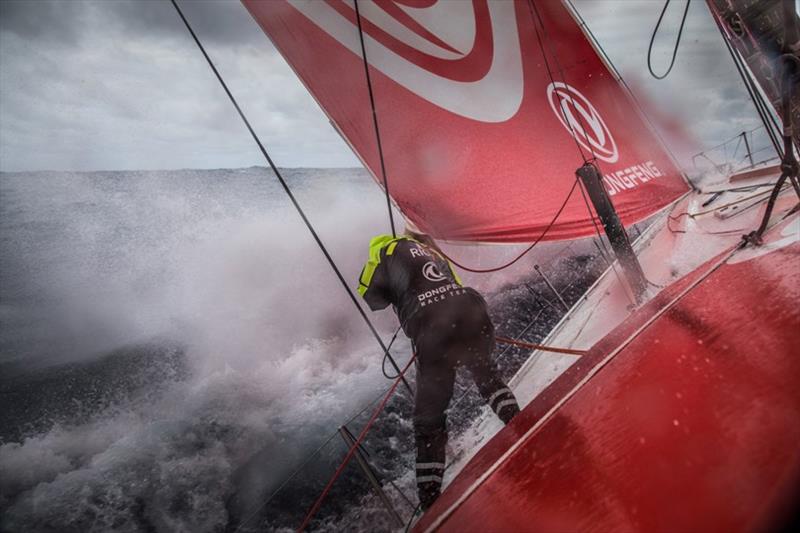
<point>431,272</point>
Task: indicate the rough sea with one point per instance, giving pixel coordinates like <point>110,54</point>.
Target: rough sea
<point>177,355</point>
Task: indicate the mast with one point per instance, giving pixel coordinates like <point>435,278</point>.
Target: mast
<point>614,230</point>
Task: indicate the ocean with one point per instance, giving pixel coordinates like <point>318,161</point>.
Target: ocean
<point>177,355</point>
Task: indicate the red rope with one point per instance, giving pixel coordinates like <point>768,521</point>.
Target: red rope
<point>353,448</point>
<point>540,346</point>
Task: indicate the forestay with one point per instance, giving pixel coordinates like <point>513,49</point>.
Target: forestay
<point>481,132</point>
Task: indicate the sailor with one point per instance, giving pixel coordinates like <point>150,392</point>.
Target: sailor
<point>449,326</point>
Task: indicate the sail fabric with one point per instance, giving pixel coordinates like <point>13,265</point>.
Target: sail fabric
<point>482,126</point>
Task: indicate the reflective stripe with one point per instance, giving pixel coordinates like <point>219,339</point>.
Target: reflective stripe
<point>423,466</point>
<point>427,479</point>
<point>392,246</point>
<point>506,403</point>
<point>500,392</point>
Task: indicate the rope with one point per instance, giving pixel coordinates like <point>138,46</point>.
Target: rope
<point>314,508</point>
<point>677,41</point>
<point>288,192</point>
<point>542,347</point>
<point>375,121</point>
<point>524,252</point>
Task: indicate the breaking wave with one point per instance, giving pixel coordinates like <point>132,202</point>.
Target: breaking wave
<point>174,346</point>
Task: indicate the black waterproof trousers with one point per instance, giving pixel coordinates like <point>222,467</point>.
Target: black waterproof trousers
<point>454,332</point>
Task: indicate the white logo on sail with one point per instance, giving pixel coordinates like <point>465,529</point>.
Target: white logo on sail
<point>575,112</point>
<point>445,34</point>
<point>431,272</point>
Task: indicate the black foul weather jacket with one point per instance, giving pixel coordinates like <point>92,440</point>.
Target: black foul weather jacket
<point>411,277</point>
<point>450,327</point>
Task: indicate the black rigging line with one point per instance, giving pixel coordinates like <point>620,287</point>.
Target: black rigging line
<point>763,112</point>
<point>532,9</point>
<point>631,94</point>
<point>375,123</point>
<point>383,363</point>
<point>289,192</point>
<point>677,41</point>
<point>526,250</point>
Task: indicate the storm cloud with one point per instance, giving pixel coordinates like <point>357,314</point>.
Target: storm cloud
<point>118,84</point>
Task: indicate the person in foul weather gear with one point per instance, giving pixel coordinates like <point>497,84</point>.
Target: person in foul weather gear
<point>449,326</point>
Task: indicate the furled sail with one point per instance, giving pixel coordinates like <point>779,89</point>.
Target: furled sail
<point>485,110</point>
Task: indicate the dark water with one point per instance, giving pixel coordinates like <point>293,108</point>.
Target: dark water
<point>173,348</point>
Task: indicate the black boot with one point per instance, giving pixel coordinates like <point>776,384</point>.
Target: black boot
<point>508,412</point>
<point>428,492</point>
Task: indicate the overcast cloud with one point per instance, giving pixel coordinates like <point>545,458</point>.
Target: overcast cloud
<point>118,84</point>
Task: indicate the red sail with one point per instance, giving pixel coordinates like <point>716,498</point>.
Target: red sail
<point>481,133</point>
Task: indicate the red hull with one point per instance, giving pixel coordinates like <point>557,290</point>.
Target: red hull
<point>685,418</point>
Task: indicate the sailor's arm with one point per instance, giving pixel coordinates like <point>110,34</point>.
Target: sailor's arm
<point>373,285</point>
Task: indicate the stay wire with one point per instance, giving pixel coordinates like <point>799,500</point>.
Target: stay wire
<point>291,476</point>
<point>289,193</point>
<point>534,12</point>
<point>375,122</point>
<point>761,106</point>
<point>383,364</point>
<point>313,454</point>
<point>763,113</point>
<point>677,41</point>
<point>594,161</point>
<point>318,502</point>
<point>535,16</point>
<point>642,112</point>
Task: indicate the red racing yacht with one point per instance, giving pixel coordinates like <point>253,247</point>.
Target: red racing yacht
<point>501,121</point>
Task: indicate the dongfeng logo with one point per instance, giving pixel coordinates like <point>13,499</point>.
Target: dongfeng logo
<point>582,120</point>
<point>462,56</point>
<point>431,272</point>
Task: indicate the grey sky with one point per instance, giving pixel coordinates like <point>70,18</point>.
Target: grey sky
<point>118,84</point>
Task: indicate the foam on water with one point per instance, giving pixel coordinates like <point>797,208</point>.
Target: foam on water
<point>272,356</point>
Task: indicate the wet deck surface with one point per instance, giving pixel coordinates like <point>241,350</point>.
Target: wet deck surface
<point>685,420</point>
